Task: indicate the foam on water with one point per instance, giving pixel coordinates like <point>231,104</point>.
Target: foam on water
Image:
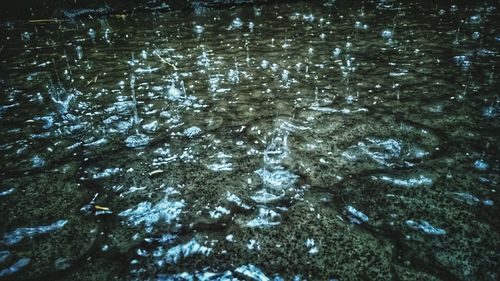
<point>311,245</point>
<point>466,197</point>
<point>277,179</point>
<point>17,266</point>
<point>420,180</point>
<point>4,255</point>
<point>386,152</point>
<point>137,140</point>
<point>266,218</point>
<point>264,196</point>
<point>147,213</point>
<point>425,227</point>
<point>481,165</point>
<point>219,212</point>
<point>355,215</point>
<point>62,98</point>
<point>192,132</point>
<point>175,254</point>
<point>19,234</point>
<point>106,173</point>
<point>252,272</point>
<point>248,271</point>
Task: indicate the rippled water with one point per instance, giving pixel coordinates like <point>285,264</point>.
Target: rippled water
<point>318,141</point>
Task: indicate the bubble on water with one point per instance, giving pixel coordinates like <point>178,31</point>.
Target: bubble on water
<point>37,161</point>
<point>360,25</point>
<point>203,60</point>
<point>213,82</point>
<point>237,23</point>
<point>481,165</point>
<point>308,18</point>
<point>192,132</point>
<point>275,67</point>
<point>253,244</point>
<point>488,202</point>
<point>491,111</point>
<point>174,92</point>
<point>107,35</point>
<point>91,33</point>
<point>463,61</point>
<point>198,30</point>
<point>251,26</point>
<point>475,19</point>
<point>284,76</point>
<point>79,52</point>
<point>264,64</point>
<point>257,10</point>
<point>285,44</point>
<point>25,36</point>
<point>234,75</point>
<point>311,245</point>
<point>348,67</point>
<point>144,54</point>
<point>386,34</point>
<point>62,98</point>
<point>62,263</point>
<point>336,52</point>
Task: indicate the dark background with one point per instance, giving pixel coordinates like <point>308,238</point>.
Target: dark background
<point>72,9</point>
<point>43,9</point>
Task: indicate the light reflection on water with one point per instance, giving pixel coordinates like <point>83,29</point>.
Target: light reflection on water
<point>279,142</point>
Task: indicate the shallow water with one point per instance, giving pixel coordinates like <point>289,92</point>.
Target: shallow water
<point>299,141</point>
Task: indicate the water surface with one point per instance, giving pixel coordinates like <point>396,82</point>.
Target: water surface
<point>289,141</point>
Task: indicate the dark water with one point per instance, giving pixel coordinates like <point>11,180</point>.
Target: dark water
<point>300,141</point>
